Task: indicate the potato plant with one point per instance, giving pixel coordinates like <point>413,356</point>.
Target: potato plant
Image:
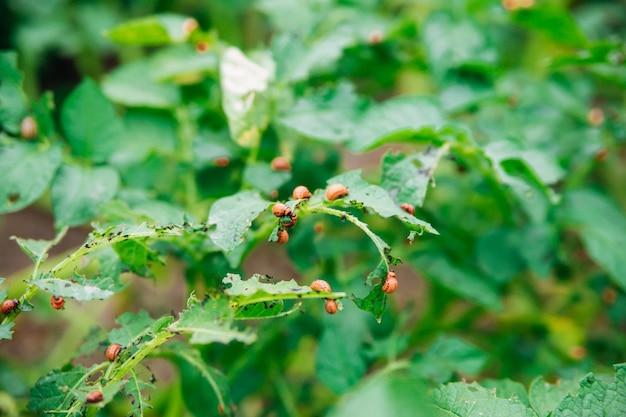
<point>475,268</point>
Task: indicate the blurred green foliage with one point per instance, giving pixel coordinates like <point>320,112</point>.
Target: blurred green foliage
<point>501,122</point>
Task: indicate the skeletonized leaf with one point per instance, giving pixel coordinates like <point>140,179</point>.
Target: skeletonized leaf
<point>79,288</point>
<point>134,388</point>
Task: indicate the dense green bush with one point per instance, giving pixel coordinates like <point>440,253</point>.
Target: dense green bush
<point>172,129</point>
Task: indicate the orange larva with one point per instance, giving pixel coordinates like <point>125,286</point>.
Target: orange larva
<point>94,397</point>
<point>112,351</point>
<point>57,302</point>
<point>289,221</point>
<point>331,306</point>
<point>28,128</point>
<point>320,285</point>
<point>280,164</point>
<point>280,210</point>
<point>335,191</point>
<point>409,208</point>
<point>9,306</point>
<point>301,193</point>
<point>283,237</point>
<point>391,283</point>
<point>221,161</point>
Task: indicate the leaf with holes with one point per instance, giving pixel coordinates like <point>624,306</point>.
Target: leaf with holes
<point>362,193</point>
<point>79,288</point>
<point>232,216</point>
<point>407,177</point>
<point>27,170</point>
<point>211,321</point>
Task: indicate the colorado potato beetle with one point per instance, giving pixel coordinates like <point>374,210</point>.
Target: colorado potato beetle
<point>331,306</point>
<point>320,285</point>
<point>283,237</point>
<point>57,302</point>
<point>280,164</point>
<point>301,193</point>
<point>391,283</point>
<point>409,208</point>
<point>112,351</point>
<point>28,128</point>
<point>9,306</point>
<point>94,397</point>
<point>335,191</point>
<point>280,210</point>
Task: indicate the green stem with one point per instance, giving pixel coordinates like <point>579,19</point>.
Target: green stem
<point>186,134</point>
<point>91,245</point>
<point>382,248</point>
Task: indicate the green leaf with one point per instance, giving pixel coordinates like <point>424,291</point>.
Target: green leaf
<point>497,254</point>
<point>400,118</point>
<point>232,216</point>
<point>340,362</point>
<point>545,397</point>
<point>328,116</point>
<point>55,391</point>
<point>317,56</point>
<point>463,282</point>
<point>133,85</point>
<point>12,98</point>
<point>447,355</point>
<point>37,249</point>
<point>138,256</point>
<point>91,126</point>
<point>132,327</point>
<point>262,177</point>
<point>386,394</point>
<point>375,302</point>
<point>27,170</point>
<point>211,321</point>
<point>42,110</point>
<point>5,331</point>
<point>133,389</point>
<point>78,192</point>
<point>362,193</point>
<point>182,64</point>
<point>406,178</point>
<point>552,20</point>
<point>506,388</point>
<point>198,380</point>
<point>472,400</point>
<point>455,43</point>
<point>596,397</point>
<point>244,83</point>
<point>80,288</point>
<point>263,310</point>
<point>160,29</point>
<point>602,229</point>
